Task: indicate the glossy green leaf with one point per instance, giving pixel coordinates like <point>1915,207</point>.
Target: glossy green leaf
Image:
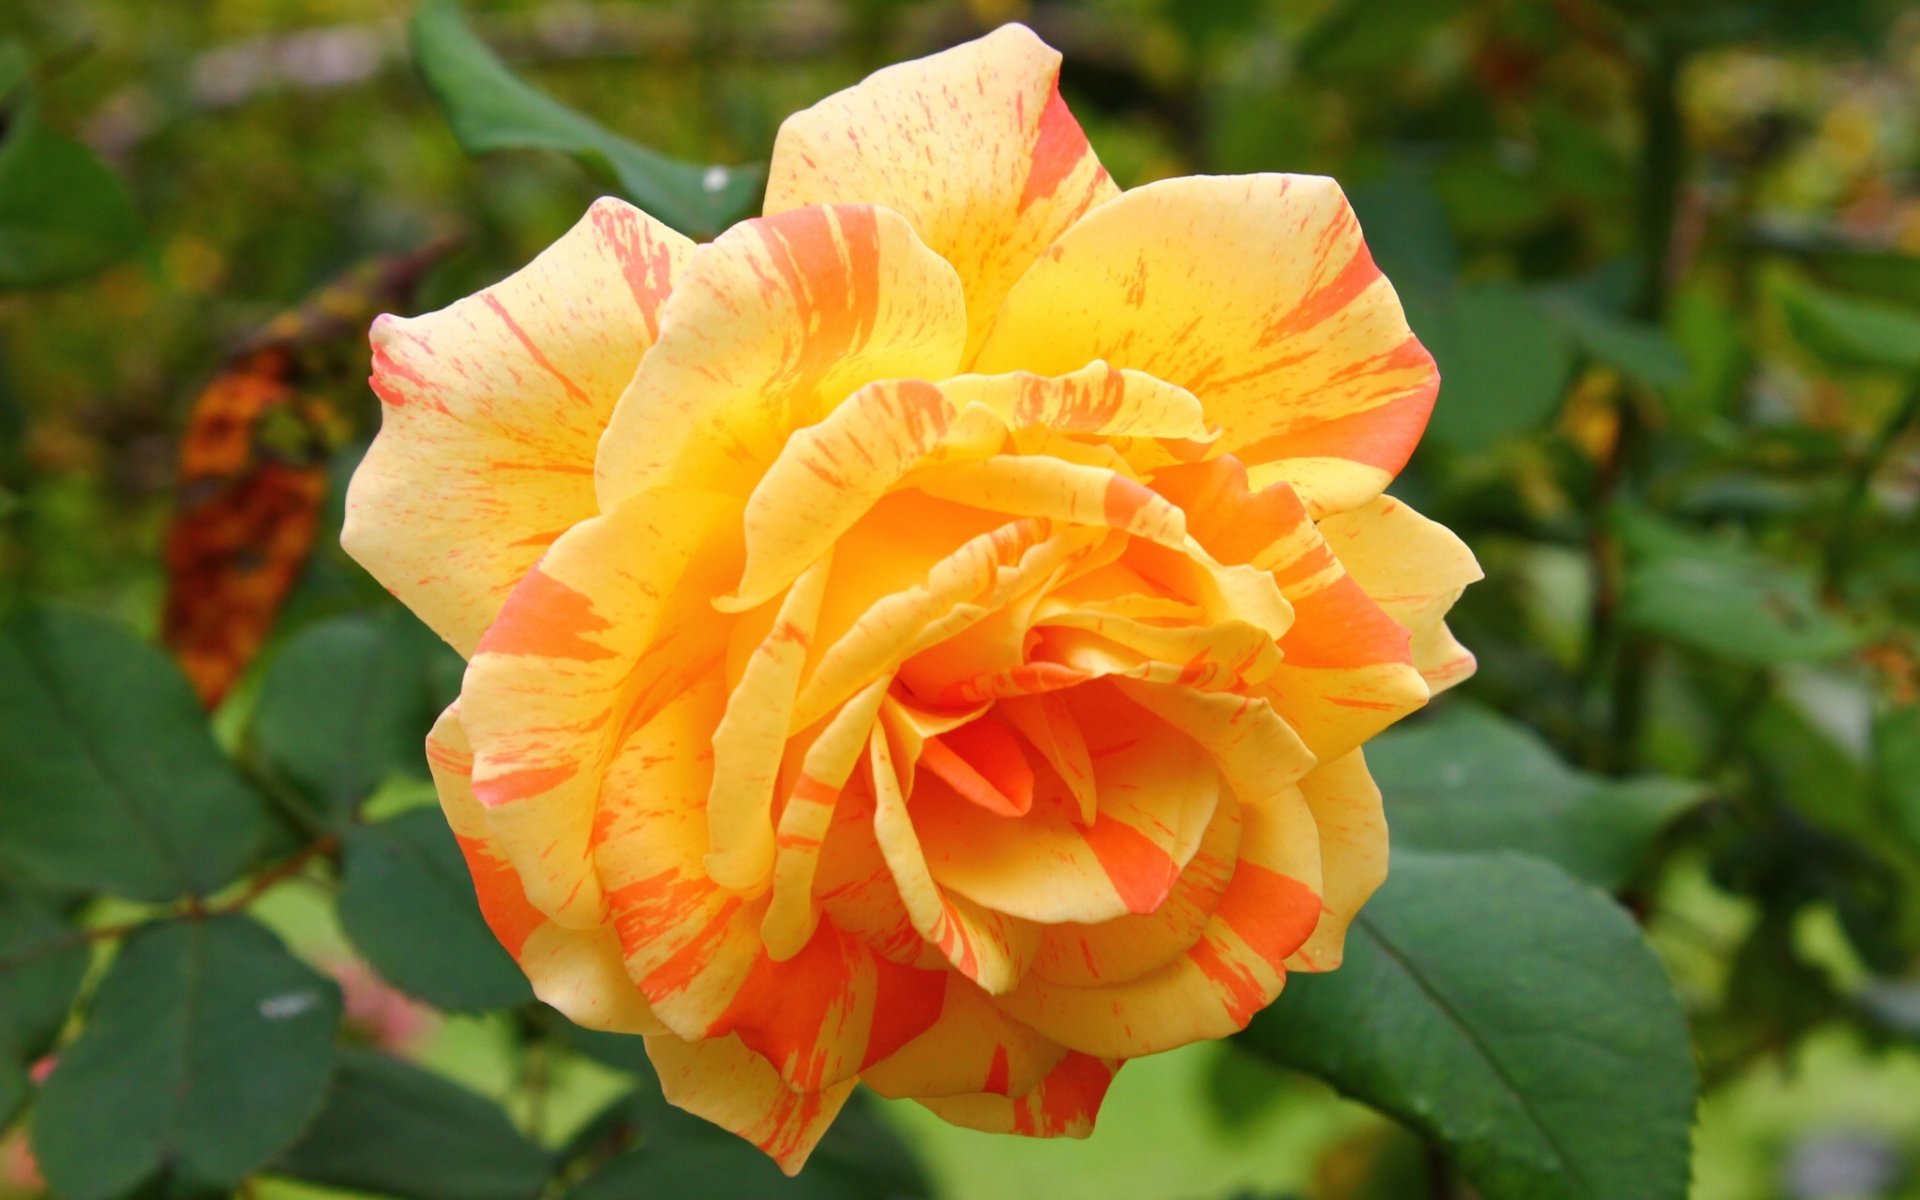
<point>1848,332</point>
<point>489,108</point>
<point>347,704</point>
<point>206,1050</point>
<point>394,1129</point>
<point>63,213</point>
<point>114,781</point>
<point>1724,599</point>
<point>673,1154</point>
<point>1471,780</point>
<point>1514,1016</point>
<point>407,902</point>
<point>42,961</point>
<point>1504,364</point>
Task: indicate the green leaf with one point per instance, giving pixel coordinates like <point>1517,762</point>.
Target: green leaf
<point>860,1158</point>
<point>1641,352</point>
<point>14,1090</point>
<point>347,704</point>
<point>1504,363</point>
<point>1514,1016</point>
<point>391,1128</point>
<point>1881,274</point>
<point>1722,598</point>
<point>113,780</point>
<point>1471,780</point>
<point>63,213</point>
<point>207,1049</point>
<point>42,962</point>
<point>407,902</point>
<point>1896,767</point>
<point>1847,332</point>
<point>489,108</point>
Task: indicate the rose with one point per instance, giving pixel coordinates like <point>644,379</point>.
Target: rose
<point>927,634</point>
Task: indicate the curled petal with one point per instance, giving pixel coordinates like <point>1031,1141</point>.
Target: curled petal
<point>768,328</point>
<point>1255,293</point>
<point>492,409</point>
<point>1414,569</point>
<point>973,145</point>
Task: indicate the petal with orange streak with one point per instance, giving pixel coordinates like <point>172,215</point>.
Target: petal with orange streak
<point>1131,946</point>
<point>990,948</point>
<point>1064,1104</point>
<point>1215,986</point>
<point>1353,853</point>
<point>578,971</point>
<point>492,410</point>
<point>973,1047</point>
<point>1257,294</point>
<point>973,145</point>
<point>830,474</point>
<point>1414,569</point>
<point>1156,795</point>
<point>770,327</point>
<point>722,1081</point>
<point>615,620</point>
<point>812,800</point>
<point>752,738</point>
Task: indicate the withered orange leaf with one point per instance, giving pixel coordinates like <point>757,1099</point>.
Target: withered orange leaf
<point>253,470</point>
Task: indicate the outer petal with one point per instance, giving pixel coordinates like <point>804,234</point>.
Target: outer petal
<point>1064,1104</point>
<point>578,971</point>
<point>615,620</point>
<point>493,408</point>
<point>722,1081</point>
<point>1353,854</point>
<point>1414,569</point>
<point>1257,294</point>
<point>769,327</point>
<point>974,146</point>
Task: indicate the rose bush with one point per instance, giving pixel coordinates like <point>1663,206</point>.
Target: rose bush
<point>926,635</point>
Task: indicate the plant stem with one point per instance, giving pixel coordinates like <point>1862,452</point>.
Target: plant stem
<point>1841,545</point>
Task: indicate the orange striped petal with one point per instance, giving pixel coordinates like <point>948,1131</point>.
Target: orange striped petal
<point>829,475</point>
<point>578,971</point>
<point>1064,1104</point>
<point>752,738</point>
<point>990,948</point>
<point>614,621</point>
<point>1212,988</point>
<point>1353,853</point>
<point>973,145</point>
<point>722,1081</point>
<point>831,1010</point>
<point>1255,293</point>
<point>1131,946</point>
<point>1157,793</point>
<point>1414,569</point>
<point>812,800</point>
<point>491,412</point>
<point>973,1047</point>
<point>769,327</point>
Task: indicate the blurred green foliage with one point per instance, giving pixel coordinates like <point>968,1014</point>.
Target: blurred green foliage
<point>1665,254</point>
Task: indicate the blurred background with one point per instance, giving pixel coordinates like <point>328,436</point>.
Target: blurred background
<point>1663,252</point>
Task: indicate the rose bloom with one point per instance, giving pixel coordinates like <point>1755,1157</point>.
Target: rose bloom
<point>924,636</point>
